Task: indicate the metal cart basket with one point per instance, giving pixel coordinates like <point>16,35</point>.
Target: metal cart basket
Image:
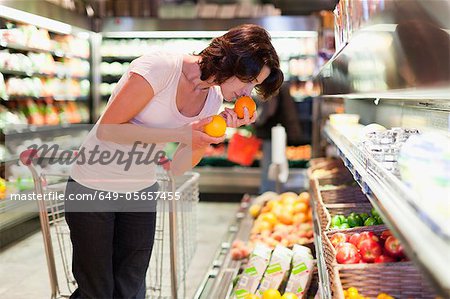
<point>175,235</point>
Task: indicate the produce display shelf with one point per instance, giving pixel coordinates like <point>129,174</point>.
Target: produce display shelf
<point>55,97</point>
<point>111,78</point>
<point>218,280</point>
<point>424,241</point>
<point>44,75</point>
<point>15,211</point>
<point>324,279</point>
<point>19,47</point>
<point>239,179</point>
<point>118,58</point>
<point>10,159</point>
<point>11,132</point>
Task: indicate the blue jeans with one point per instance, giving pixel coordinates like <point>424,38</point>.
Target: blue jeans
<point>111,250</point>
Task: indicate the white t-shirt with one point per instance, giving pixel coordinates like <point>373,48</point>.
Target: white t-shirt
<point>162,70</point>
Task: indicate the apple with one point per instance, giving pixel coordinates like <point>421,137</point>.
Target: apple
<point>338,238</point>
<point>370,250</point>
<point>237,243</point>
<point>347,253</point>
<point>367,235</point>
<point>393,247</point>
<point>385,259</point>
<point>354,239</point>
<point>384,235</point>
<point>236,254</point>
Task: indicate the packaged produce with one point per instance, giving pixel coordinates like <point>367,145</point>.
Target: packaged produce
<point>302,271</point>
<point>253,272</point>
<point>279,265</point>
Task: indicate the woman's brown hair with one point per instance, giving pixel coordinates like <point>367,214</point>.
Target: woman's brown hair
<point>242,52</point>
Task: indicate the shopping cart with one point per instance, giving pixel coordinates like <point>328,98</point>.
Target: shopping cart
<point>175,235</point>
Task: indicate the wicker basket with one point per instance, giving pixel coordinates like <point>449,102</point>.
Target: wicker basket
<point>335,166</point>
<point>320,162</point>
<point>400,279</point>
<point>326,212</point>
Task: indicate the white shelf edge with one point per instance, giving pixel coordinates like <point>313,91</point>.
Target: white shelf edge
<point>423,245</point>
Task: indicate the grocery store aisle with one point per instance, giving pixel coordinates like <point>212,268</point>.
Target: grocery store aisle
<point>23,271</point>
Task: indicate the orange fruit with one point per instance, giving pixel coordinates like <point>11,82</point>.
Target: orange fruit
<point>286,218</point>
<point>300,207</point>
<point>242,102</point>
<point>269,217</point>
<point>271,294</point>
<point>217,127</point>
<point>288,197</point>
<point>289,296</point>
<point>299,218</point>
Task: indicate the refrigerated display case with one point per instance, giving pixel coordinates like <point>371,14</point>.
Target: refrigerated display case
<point>392,70</point>
<point>45,97</point>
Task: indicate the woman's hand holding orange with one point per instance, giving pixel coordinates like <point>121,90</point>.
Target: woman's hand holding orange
<point>199,138</point>
<point>233,121</point>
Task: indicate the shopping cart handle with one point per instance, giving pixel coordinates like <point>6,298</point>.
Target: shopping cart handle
<point>27,156</point>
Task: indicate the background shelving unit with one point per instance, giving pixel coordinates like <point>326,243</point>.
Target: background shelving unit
<point>45,98</point>
<point>380,92</point>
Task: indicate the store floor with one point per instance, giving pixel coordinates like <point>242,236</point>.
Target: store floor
<point>23,271</point>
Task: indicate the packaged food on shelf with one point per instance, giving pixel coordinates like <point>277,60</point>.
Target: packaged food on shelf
<point>10,118</point>
<point>424,166</point>
<point>302,271</point>
<point>385,145</point>
<point>253,272</point>
<point>277,270</point>
<point>2,188</point>
<point>344,119</point>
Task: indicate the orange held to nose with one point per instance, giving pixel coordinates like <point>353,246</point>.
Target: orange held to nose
<point>217,127</point>
<point>242,102</point>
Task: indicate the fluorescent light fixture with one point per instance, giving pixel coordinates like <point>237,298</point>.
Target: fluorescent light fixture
<point>199,34</point>
<point>26,17</point>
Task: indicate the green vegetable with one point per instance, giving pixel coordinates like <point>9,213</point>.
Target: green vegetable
<point>370,221</point>
<point>344,226</point>
<point>379,220</point>
<point>364,216</point>
<point>343,219</point>
<point>374,212</point>
<point>352,221</point>
<point>359,220</point>
<point>336,221</point>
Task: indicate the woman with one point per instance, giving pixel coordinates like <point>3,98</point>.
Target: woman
<point>162,98</point>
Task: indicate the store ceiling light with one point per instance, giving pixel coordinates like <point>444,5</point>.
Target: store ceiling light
<point>198,34</point>
<point>18,15</point>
